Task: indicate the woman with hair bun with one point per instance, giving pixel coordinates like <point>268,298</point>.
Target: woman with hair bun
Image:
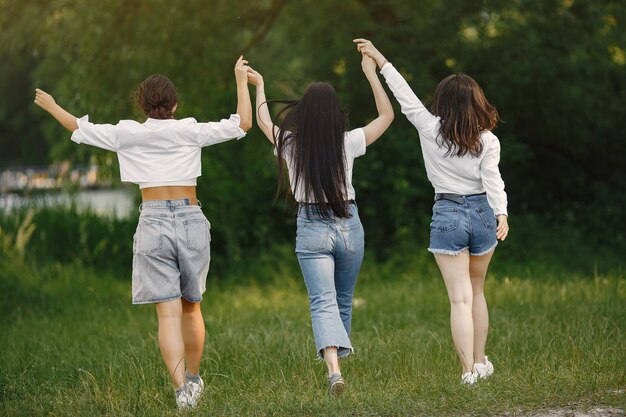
<point>171,247</point>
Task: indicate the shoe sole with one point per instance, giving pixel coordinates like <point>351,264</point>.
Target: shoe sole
<point>337,388</point>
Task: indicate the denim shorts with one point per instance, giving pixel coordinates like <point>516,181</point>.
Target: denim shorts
<point>171,252</point>
<point>456,227</point>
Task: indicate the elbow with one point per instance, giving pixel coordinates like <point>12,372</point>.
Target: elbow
<point>389,118</point>
<point>245,125</point>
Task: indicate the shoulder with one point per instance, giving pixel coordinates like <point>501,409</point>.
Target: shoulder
<point>489,139</point>
<point>354,142</point>
<point>129,123</point>
<point>285,135</point>
<point>491,144</point>
<point>355,134</point>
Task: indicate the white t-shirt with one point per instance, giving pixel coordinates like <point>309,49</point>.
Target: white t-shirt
<point>450,174</point>
<point>158,152</point>
<point>354,146</point>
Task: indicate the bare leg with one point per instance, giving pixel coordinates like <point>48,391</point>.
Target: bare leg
<point>455,272</point>
<point>332,361</point>
<point>193,335</point>
<point>171,339</point>
<point>480,314</point>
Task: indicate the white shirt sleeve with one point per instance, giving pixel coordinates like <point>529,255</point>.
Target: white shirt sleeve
<point>100,135</point>
<point>275,146</point>
<point>216,132</point>
<point>355,143</point>
<point>423,120</point>
<point>491,178</point>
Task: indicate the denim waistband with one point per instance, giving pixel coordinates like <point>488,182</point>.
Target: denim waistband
<point>322,205</point>
<point>313,211</point>
<point>170,204</point>
<point>459,198</point>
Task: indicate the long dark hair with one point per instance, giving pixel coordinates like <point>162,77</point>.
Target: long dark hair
<point>157,96</point>
<point>465,113</point>
<point>314,127</point>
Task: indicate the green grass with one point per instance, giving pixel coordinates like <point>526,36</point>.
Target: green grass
<point>73,345</point>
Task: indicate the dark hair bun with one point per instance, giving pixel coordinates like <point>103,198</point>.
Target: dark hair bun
<point>157,96</point>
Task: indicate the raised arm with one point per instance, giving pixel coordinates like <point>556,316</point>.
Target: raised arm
<point>46,102</point>
<point>412,107</point>
<point>244,106</point>
<point>376,127</point>
<point>264,120</point>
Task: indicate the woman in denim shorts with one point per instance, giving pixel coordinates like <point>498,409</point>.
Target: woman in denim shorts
<point>171,249</point>
<point>461,157</point>
<point>319,155</point>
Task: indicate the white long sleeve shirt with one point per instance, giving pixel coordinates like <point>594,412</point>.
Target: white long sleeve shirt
<point>450,174</point>
<point>158,152</point>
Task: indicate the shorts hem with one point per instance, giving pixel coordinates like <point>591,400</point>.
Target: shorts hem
<point>342,352</point>
<point>446,251</point>
<point>491,249</point>
<point>190,300</point>
<point>346,353</point>
<point>158,300</point>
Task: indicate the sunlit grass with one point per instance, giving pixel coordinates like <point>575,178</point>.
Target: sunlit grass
<point>76,347</point>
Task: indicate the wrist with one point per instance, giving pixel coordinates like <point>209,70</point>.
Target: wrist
<point>369,73</point>
<point>381,61</point>
<point>52,108</point>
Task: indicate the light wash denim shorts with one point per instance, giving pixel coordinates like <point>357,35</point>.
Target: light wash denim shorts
<point>171,252</point>
<point>456,227</point>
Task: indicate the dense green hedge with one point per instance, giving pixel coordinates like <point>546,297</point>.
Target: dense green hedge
<point>537,246</point>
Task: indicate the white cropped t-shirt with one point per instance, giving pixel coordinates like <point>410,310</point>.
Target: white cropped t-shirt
<point>354,146</point>
<point>450,174</point>
<point>158,152</point>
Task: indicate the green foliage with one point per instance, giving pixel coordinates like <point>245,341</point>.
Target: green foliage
<point>554,69</point>
<point>51,235</point>
<point>71,236</point>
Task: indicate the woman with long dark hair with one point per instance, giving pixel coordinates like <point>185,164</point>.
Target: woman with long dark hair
<point>171,248</point>
<point>312,144</point>
<point>461,156</point>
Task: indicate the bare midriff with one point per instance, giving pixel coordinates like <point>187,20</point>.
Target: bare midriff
<point>176,192</point>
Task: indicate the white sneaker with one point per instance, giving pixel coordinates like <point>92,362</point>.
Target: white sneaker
<point>184,400</point>
<point>195,389</point>
<point>484,370</point>
<point>469,378</point>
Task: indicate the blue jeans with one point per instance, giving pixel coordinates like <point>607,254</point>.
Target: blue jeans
<point>330,253</point>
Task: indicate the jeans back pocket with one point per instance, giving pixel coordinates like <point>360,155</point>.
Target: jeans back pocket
<point>311,237</point>
<point>148,238</point>
<point>445,219</point>
<point>353,236</point>
<point>487,216</point>
<point>197,234</point>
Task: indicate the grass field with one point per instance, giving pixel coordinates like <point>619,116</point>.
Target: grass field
<point>73,345</point>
